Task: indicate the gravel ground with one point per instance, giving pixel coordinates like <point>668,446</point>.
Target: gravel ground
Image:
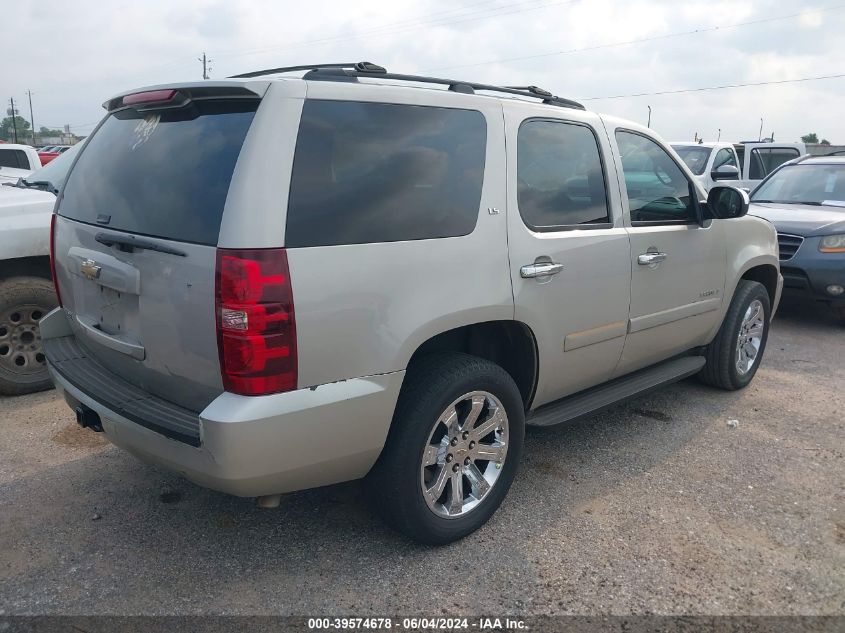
<point>656,506</point>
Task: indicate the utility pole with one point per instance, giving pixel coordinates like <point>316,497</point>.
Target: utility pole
<point>760,135</point>
<point>13,113</point>
<point>31,117</point>
<point>206,65</point>
<point>649,117</point>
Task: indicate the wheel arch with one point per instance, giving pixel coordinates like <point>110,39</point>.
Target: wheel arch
<point>766,274</point>
<point>508,343</point>
<point>38,266</point>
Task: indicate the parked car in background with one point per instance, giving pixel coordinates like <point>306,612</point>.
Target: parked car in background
<point>353,277</point>
<point>17,161</point>
<point>739,164</point>
<point>52,153</point>
<point>805,200</point>
<point>26,292</point>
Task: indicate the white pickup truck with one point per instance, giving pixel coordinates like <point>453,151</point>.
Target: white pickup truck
<point>743,164</point>
<point>17,161</point>
<point>26,289</point>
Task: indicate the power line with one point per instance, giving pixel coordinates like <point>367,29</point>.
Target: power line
<point>405,22</point>
<point>483,14</point>
<point>725,87</point>
<point>413,23</point>
<point>639,40</point>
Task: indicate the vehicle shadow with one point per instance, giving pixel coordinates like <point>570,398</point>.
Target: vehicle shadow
<point>800,312</point>
<point>108,516</point>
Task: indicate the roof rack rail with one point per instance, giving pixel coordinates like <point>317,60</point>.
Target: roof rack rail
<point>363,67</point>
<point>839,152</point>
<point>334,72</point>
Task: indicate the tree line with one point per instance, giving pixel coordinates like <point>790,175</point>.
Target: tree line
<point>24,127</point>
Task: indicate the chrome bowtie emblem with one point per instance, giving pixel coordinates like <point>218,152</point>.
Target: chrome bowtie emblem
<point>90,269</point>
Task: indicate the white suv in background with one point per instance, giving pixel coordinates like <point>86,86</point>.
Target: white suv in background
<point>742,165</point>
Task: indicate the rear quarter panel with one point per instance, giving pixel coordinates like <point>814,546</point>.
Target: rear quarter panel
<point>363,309</point>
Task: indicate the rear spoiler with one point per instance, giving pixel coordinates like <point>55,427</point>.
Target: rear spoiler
<point>178,95</point>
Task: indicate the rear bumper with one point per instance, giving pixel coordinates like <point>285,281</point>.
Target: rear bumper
<point>251,446</point>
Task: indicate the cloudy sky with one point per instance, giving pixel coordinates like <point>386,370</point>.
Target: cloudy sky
<point>73,55</point>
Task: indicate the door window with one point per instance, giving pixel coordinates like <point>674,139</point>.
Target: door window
<point>764,160</point>
<point>724,157</point>
<point>658,191</point>
<point>560,178</point>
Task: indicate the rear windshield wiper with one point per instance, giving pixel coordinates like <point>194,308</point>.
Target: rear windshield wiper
<point>44,185</point>
<point>128,243</point>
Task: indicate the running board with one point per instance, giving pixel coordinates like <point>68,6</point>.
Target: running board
<point>598,398</point>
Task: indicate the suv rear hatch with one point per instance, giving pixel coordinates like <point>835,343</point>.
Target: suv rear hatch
<point>136,235</point>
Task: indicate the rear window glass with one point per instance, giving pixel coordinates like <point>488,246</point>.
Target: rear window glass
<point>378,172</point>
<point>14,158</point>
<point>164,174</point>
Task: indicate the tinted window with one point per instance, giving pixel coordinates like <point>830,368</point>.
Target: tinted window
<point>164,174</point>
<point>377,172</point>
<point>560,181</point>
<point>725,157</point>
<point>694,156</point>
<point>764,160</point>
<point>658,191</point>
<point>14,158</point>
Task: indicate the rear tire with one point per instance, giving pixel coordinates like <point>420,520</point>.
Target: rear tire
<point>23,302</point>
<point>735,354</point>
<point>422,453</point>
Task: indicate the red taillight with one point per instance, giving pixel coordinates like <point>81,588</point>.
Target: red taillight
<point>256,329</point>
<point>151,96</point>
<point>53,257</point>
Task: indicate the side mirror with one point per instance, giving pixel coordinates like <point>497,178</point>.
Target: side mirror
<point>725,172</point>
<point>727,202</point>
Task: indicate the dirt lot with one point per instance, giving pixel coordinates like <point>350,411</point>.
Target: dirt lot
<point>657,506</point>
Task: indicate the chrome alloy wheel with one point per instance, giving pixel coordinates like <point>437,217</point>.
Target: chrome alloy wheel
<point>750,336</point>
<point>465,453</point>
<point>20,340</point>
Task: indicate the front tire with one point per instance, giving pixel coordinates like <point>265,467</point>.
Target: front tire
<point>734,356</point>
<point>23,302</point>
<point>453,448</point>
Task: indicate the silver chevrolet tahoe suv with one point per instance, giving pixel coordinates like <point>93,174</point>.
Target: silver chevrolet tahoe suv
<point>271,284</point>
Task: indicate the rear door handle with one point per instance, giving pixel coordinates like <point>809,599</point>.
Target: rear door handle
<point>651,258</point>
<point>540,269</point>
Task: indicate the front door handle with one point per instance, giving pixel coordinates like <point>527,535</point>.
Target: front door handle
<point>540,269</point>
<point>646,259</point>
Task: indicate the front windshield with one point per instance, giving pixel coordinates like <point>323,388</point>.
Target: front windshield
<point>804,184</point>
<point>695,156</point>
<point>52,176</point>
